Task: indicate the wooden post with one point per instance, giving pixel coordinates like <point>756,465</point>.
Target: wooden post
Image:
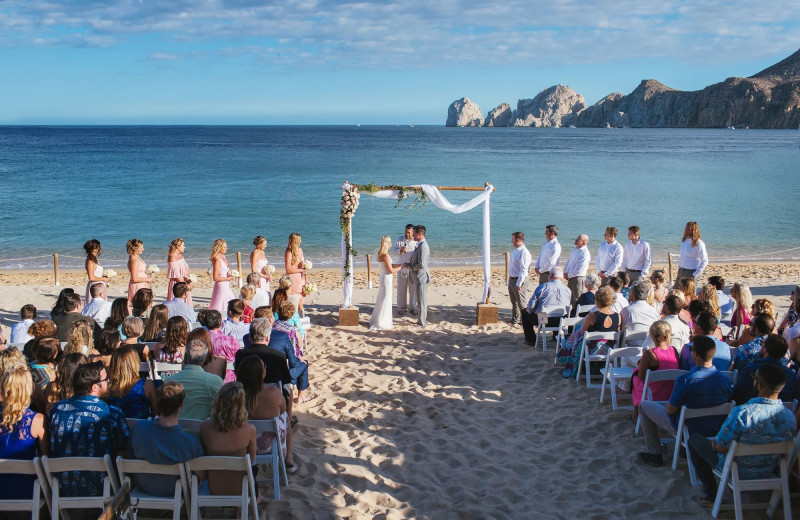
<point>506,255</point>
<point>239,264</point>
<point>55,268</point>
<point>369,272</point>
<point>669,263</point>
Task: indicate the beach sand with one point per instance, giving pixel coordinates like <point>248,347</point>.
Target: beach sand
<point>456,421</point>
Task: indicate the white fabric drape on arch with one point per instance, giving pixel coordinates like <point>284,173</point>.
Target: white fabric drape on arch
<point>438,200</point>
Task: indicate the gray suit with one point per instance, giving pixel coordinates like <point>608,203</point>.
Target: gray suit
<point>420,277</point>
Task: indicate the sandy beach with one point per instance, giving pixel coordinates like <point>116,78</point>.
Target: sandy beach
<point>455,421</point>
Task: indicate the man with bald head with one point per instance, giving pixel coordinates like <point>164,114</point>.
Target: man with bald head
<point>577,266</point>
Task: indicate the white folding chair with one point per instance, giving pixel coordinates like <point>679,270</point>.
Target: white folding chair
<point>654,377</point>
<point>202,497</point>
<point>274,458</point>
<point>190,425</point>
<point>54,467</point>
<point>614,371</point>
<point>682,432</point>
<point>131,468</point>
<point>158,367</point>
<point>583,309</point>
<point>40,488</point>
<point>724,329</point>
<point>611,337</point>
<point>542,329</point>
<point>305,321</point>
<point>564,330</point>
<point>729,477</point>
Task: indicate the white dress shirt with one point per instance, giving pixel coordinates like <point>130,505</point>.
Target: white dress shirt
<point>261,299</point>
<point>637,257</point>
<point>410,245</point>
<point>578,262</point>
<point>19,332</point>
<point>550,255</point>
<point>235,329</point>
<point>620,303</point>
<point>98,309</point>
<point>693,257</point>
<point>519,263</point>
<point>609,258</point>
<point>179,307</point>
<point>680,331</point>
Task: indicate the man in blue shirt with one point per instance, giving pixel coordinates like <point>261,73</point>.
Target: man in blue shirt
<point>554,293</point>
<point>774,353</point>
<point>764,419</point>
<point>703,387</point>
<point>761,326</point>
<point>705,323</point>
<point>163,442</point>
<point>85,426</point>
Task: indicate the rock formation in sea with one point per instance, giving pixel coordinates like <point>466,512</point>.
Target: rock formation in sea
<point>769,99</point>
<point>463,112</point>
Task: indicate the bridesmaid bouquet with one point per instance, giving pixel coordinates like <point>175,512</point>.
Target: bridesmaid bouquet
<point>192,278</point>
<point>234,273</point>
<point>307,265</point>
<point>309,288</point>
<point>269,270</point>
<point>109,272</point>
<point>152,270</point>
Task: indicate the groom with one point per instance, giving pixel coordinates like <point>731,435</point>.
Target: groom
<point>420,277</point>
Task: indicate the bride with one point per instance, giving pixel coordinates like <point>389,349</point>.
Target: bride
<point>382,313</point>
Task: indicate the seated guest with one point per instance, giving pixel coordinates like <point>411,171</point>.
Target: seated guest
<point>704,386</point>
<point>60,388</point>
<point>199,385</point>
<point>99,308</point>
<point>708,293</point>
<point>247,294</point>
<point>162,441</point>
<point>639,315</point>
<point>547,295</point>
<point>260,312</point>
<point>132,329</point>
<point>759,328</point>
<point>40,329</point>
<point>179,305</point>
<point>680,331</point>
<point>19,331</point>
<point>136,397</point>
<point>80,338</point>
<point>742,304</point>
<point>284,324</point>
<point>120,309</point>
<point>227,433</point>
<point>760,306</point>
<point>265,402</point>
<point>73,306</point>
<point>704,325</point>
<point>262,297</point>
<point>624,279</point>
<point>85,426</point>
<point>43,367</point>
<point>22,430</point>
<point>175,343</point>
<point>660,289</point>
<point>281,295</point>
<point>298,365</point>
<point>156,325</point>
<point>763,419</point>
<point>213,364</point>
<point>725,302</point>
<point>224,346</point>
<point>141,303</point>
<point>697,306</point>
<point>59,309</point>
<point>773,352</point>
<point>790,326</point>
<point>662,356</point>
<point>234,326</point>
<point>591,284</point>
<point>104,346</point>
<point>621,300</point>
<point>269,345</point>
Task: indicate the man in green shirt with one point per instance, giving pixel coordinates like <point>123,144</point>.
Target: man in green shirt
<point>200,386</point>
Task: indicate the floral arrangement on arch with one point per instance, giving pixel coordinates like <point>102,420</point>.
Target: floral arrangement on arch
<point>350,198</point>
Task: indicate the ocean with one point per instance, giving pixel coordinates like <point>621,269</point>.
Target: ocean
<point>64,185</point>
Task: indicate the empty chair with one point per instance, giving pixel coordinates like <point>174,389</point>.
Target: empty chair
<point>582,310</point>
<point>131,468</point>
<point>201,495</point>
<point>614,371</point>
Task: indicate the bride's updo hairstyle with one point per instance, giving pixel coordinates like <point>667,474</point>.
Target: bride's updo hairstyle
<point>132,245</point>
<point>386,243</point>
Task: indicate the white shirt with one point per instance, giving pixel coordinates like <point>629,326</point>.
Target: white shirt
<point>637,257</point>
<point>98,309</point>
<point>578,262</point>
<point>410,245</point>
<point>550,255</point>
<point>609,258</point>
<point>680,331</point>
<point>619,304</point>
<point>235,329</point>
<point>695,258</point>
<point>19,332</point>
<point>261,299</point>
<point>519,263</point>
<point>639,315</point>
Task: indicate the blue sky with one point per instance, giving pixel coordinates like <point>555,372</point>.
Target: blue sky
<point>331,62</point>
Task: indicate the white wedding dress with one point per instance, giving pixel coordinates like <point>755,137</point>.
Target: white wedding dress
<point>382,312</point>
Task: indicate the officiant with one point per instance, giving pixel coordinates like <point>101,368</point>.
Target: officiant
<point>406,295</point>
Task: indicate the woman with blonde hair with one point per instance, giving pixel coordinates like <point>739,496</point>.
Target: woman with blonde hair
<point>137,268</point>
<point>222,293</point>
<point>293,259</point>
<point>381,318</point>
<point>156,326</point>
<point>743,303</point>
<point>80,338</point>
<point>177,269</point>
<point>663,356</point>
<point>22,430</point>
<point>258,262</point>
<point>660,290</point>
<point>709,293</point>
<point>136,397</point>
<point>60,388</point>
<point>694,257</point>
<point>93,268</point>
<point>247,294</point>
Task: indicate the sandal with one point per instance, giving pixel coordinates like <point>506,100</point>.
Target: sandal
<point>294,420</point>
<point>292,469</point>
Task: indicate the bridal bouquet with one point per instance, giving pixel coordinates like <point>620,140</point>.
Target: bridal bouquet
<point>234,273</point>
<point>152,270</point>
<point>192,278</point>
<point>269,270</point>
<point>109,272</point>
<point>307,265</point>
<point>309,288</point>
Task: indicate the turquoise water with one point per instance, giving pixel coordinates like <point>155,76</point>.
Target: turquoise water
<point>63,185</point>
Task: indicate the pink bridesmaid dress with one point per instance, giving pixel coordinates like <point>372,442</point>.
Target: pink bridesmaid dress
<point>133,287</point>
<point>178,271</point>
<point>222,293</point>
<point>298,279</point>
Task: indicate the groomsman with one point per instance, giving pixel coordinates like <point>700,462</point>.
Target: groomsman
<point>519,263</point>
<point>577,266</point>
<point>609,255</point>
<point>550,255</point>
<point>637,256</point>
<point>406,292</point>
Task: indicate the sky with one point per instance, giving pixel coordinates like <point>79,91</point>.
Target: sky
<point>332,62</point>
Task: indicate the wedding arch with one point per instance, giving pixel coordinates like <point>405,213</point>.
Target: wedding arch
<point>421,194</point>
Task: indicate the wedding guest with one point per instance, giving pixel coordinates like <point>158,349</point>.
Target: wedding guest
<point>199,385</point>
<point>293,350</point>
<point>550,254</point>
<point>705,323</point>
<point>80,338</point>
<point>577,266</point>
<point>637,256</point>
<point>743,303</point>
<point>120,309</point>
<point>671,309</point>
<point>725,302</point>
<point>602,319</point>
<point>262,296</point>
<point>663,356</point>
<point>136,397</point>
<point>234,325</point>
<point>40,329</point>
<point>105,345</point>
<point>212,364</point>
<point>709,293</point>
<point>45,353</point>
<point>591,285</point>
<point>762,305</point>
<point>759,328</point>
<point>59,308</point>
<point>73,306</point>
<point>156,326</point>
<point>278,298</point>
<point>639,315</point>
<point>293,259</point>
<point>617,283</point>
<point>269,345</point>
<point>773,352</point>
<point>178,270</point>
<point>174,343</point>
<point>137,268</point>
<point>222,293</point>
<point>179,305</point>
<point>141,302</point>
<point>609,255</point>
<point>132,329</point>
<point>246,294</point>
<point>258,264</point>
<point>60,387</point>
<point>790,319</point>
<point>552,294</point>
<point>694,258</point>
<point>224,346</point>
<point>404,248</point>
<point>660,289</point>
<point>19,331</point>
<point>94,271</point>
<point>98,308</point>
<point>689,291</point>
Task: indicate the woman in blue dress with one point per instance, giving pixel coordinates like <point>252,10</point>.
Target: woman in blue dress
<point>136,397</point>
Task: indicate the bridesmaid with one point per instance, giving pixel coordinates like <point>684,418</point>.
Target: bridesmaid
<point>222,292</point>
<point>293,258</point>
<point>93,269</point>
<point>258,262</point>
<point>136,266</point>
<point>177,269</point>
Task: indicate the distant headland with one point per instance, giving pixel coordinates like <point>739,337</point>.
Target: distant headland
<point>769,99</point>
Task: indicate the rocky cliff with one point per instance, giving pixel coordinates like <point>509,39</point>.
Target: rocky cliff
<point>769,99</point>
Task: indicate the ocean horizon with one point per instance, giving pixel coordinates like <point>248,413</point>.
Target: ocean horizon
<point>63,185</point>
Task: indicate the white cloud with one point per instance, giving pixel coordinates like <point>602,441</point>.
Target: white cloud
<point>162,56</point>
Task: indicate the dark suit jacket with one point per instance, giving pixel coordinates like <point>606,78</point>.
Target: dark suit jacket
<point>275,361</point>
<point>65,321</point>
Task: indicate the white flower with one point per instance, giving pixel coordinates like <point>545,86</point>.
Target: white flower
<point>192,278</point>
<point>307,264</point>
<point>152,269</point>
<point>309,288</point>
<point>234,273</point>
<point>109,272</point>
<point>270,269</point>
